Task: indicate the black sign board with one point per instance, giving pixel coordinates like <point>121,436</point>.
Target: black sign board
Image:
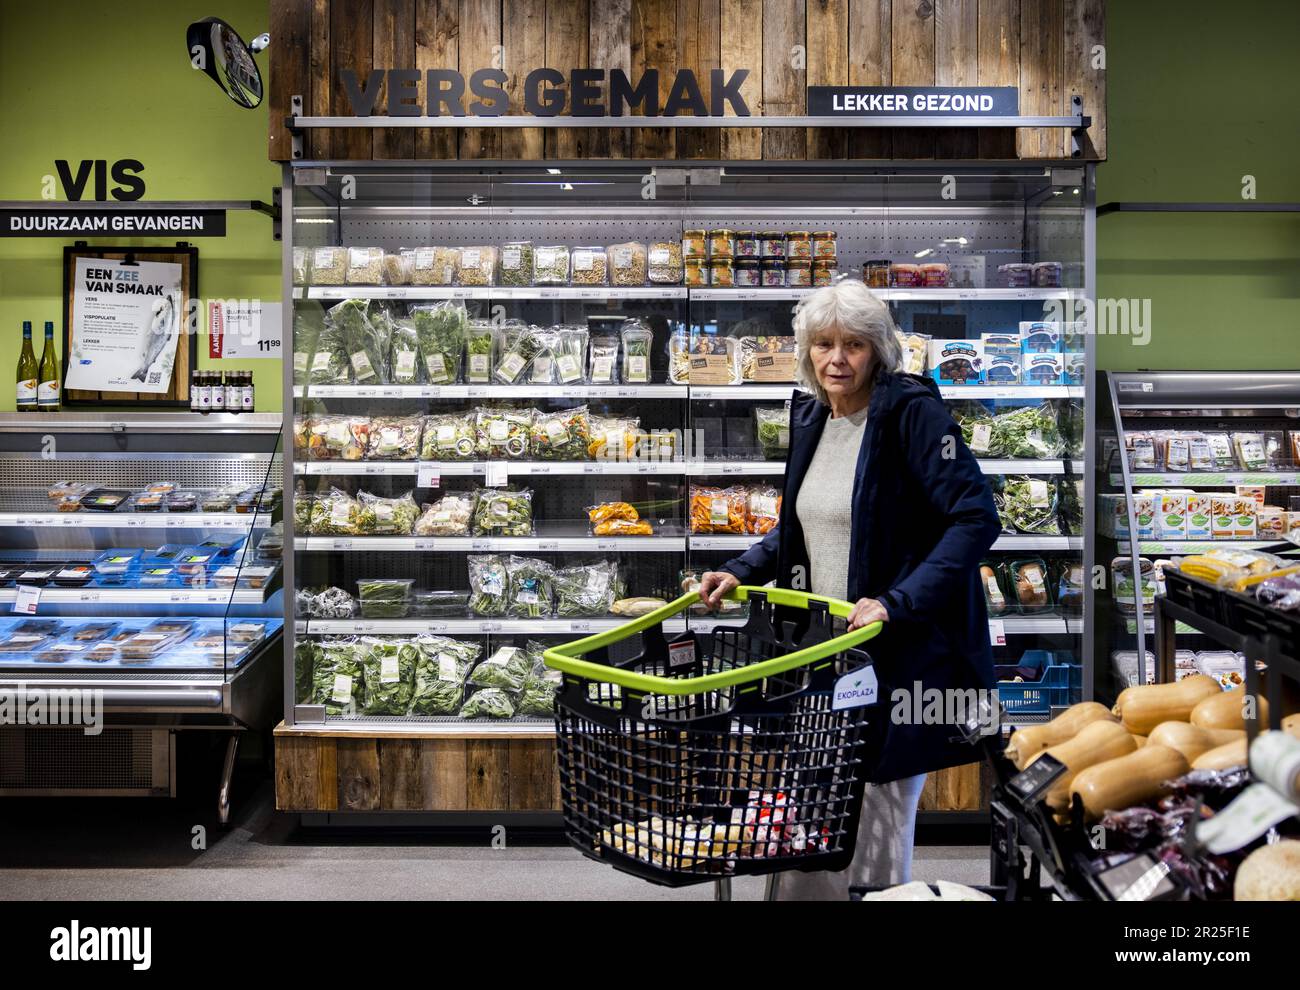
<point>914,101</point>
<point>63,222</point>
<point>1035,779</point>
<point>1138,879</point>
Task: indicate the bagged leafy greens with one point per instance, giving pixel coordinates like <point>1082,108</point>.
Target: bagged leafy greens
<point>337,678</point>
<point>388,667</point>
<point>502,513</point>
<point>1028,505</point>
<point>530,587</point>
<point>448,437</point>
<point>382,516</point>
<point>480,348</point>
<point>505,669</point>
<point>335,513</point>
<point>976,424</point>
<point>584,589</point>
<point>773,431</point>
<point>307,326</point>
<point>537,697</point>
<point>488,585</point>
<point>488,703</point>
<point>1029,432</point>
<point>440,675</point>
<point>440,330</point>
<point>304,670</point>
<point>349,332</point>
<point>404,352</point>
<point>519,347</point>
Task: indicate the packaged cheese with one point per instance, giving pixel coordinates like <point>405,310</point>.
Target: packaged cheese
<point>1171,519</point>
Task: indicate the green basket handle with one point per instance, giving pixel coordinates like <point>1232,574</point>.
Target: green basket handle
<point>565,657</point>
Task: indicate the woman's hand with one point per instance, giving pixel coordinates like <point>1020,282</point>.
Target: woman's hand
<point>715,584</point>
<point>865,612</point>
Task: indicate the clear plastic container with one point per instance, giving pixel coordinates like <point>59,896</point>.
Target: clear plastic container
<point>440,603</point>
<point>117,561</point>
<point>517,263</point>
<point>384,589</point>
<point>365,266</point>
<point>478,265</point>
<point>636,354</point>
<point>551,265</point>
<point>480,353</point>
<point>627,264</point>
<point>665,259</point>
<point>590,266</point>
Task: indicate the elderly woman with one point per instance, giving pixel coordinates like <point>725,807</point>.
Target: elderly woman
<point>885,507</point>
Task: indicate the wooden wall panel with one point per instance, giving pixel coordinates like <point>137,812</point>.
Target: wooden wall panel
<point>998,56</point>
<point>871,61</point>
<point>954,789</point>
<point>1042,68</point>
<point>448,760</point>
<point>956,63</point>
<point>351,47</point>
<point>358,774</point>
<point>912,40</point>
<point>394,40</point>
<point>437,46</point>
<point>524,34</point>
<point>699,26</point>
<point>654,46</point>
<point>828,65</point>
<point>1044,47</point>
<point>609,45</point>
<point>480,47</point>
<point>487,786</point>
<point>531,775</point>
<point>1085,28</point>
<point>742,48</point>
<point>567,30</point>
<point>785,76</point>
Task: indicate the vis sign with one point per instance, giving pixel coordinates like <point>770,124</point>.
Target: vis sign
<point>914,101</point>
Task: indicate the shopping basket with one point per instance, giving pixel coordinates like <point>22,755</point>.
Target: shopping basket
<point>735,753</point>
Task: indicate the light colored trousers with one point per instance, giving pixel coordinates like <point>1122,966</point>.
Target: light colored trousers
<point>883,854</point>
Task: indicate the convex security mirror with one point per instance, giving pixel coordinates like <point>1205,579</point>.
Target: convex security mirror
<point>216,49</point>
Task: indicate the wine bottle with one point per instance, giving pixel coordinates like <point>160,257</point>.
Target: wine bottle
<point>49,394</point>
<point>27,396</point>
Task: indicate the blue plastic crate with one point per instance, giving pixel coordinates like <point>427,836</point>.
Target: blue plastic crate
<point>1058,683</point>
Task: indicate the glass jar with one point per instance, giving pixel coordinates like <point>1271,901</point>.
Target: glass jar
<point>905,277</point>
<point>721,273</point>
<point>697,271</point>
<point>823,271</point>
<point>798,245</point>
<point>748,273</point>
<point>746,244</point>
<point>1047,274</point>
<point>772,272</point>
<point>771,244</point>
<point>824,244</point>
<point>935,275</point>
<point>798,273</point>
<point>876,273</point>
<point>721,244</point>
<point>694,244</point>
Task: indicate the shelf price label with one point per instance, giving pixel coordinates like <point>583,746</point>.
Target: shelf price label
<point>342,544</point>
<point>27,600</point>
<point>480,544</point>
<point>496,474</point>
<point>548,545</point>
<point>489,627</point>
<point>997,632</point>
<point>580,625</point>
<point>607,544</point>
<point>428,475</point>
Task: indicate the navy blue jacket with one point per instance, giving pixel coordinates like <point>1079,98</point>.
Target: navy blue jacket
<point>923,517</point>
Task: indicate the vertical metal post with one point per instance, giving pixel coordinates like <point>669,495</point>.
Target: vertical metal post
<point>1089,510</point>
<point>722,889</point>
<point>286,442</point>
<point>773,887</point>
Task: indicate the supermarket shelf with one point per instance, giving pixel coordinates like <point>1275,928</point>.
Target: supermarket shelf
<point>513,544</point>
<point>710,468</point>
<point>723,542</point>
<point>1016,542</point>
<point>492,391</point>
<point>1149,624</point>
<point>893,295</point>
<point>503,627</point>
<point>1217,480</point>
<point>147,596</point>
<point>417,292</point>
<point>128,520</point>
<point>1201,546</point>
<point>990,466</point>
<point>1029,625</point>
<point>744,393</point>
<point>1011,391</point>
<point>690,468</point>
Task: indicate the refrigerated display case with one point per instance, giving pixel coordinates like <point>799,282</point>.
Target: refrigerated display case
<point>1189,462</point>
<point>473,345</point>
<point>142,571</point>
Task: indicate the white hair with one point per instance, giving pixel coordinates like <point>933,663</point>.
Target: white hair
<point>857,312</point>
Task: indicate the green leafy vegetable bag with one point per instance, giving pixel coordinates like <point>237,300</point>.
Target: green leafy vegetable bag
<point>440,675</point>
<point>388,666</point>
<point>488,585</point>
<point>502,513</point>
<point>584,590</point>
<point>350,333</point>
<point>337,679</point>
<point>488,703</point>
<point>531,587</point>
<point>506,669</point>
<point>1028,505</point>
<point>441,331</point>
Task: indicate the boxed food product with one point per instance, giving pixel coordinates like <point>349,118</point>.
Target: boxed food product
<point>992,578</point>
<point>1171,517</point>
<point>104,499</point>
<point>1144,514</point>
<point>1271,523</point>
<point>1257,492</point>
<point>1076,368</point>
<point>158,575</point>
<point>1002,344</point>
<point>1040,338</point>
<point>117,561</point>
<point>957,362</point>
<point>1223,509</point>
<point>1200,516</point>
<point>1141,449</point>
<point>1043,368</point>
<point>1113,516</point>
<point>716,360</point>
<point>1245,521</point>
<point>1003,370</point>
<point>767,359</point>
<point>1184,664</point>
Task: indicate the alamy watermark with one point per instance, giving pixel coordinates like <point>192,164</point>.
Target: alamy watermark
<point>23,705</point>
<point>977,709</point>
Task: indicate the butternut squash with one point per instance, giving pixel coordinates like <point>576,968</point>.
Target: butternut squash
<point>1291,725</point>
<point>1224,711</point>
<point>1028,742</point>
<point>1140,740</point>
<point>1095,743</point>
<point>1192,740</point>
<point>1121,783</point>
<point>1145,706</point>
<point>1223,757</point>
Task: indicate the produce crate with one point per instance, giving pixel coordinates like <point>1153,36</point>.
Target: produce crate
<point>1201,597</point>
<point>1037,697</point>
<point>1250,617</point>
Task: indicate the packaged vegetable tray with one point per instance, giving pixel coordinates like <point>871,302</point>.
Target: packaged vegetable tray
<point>382,516</point>
<point>502,432</point>
<point>1029,584</point>
<point>562,435</point>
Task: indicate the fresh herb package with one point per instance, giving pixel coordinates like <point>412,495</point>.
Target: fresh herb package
<point>502,513</point>
<point>441,331</point>
<point>531,587</point>
<point>488,585</point>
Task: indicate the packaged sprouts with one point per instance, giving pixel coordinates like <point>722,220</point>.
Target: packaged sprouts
<point>636,337</point>
<point>521,345</point>
<point>440,330</point>
<point>665,263</point>
<point>365,266</point>
<point>502,432</point>
<point>551,265</point>
<point>488,579</point>
<point>627,263</point>
<point>449,516</point>
<point>603,360</point>
<point>435,266</point>
<point>478,265</point>
<point>395,438</point>
<point>530,587</point>
<point>590,266</point>
<point>517,263</point>
<point>329,265</point>
<point>562,435</point>
<point>773,431</point>
<point>398,268</point>
<point>448,437</point>
<point>300,266</point>
<point>502,513</point>
<point>480,349</point>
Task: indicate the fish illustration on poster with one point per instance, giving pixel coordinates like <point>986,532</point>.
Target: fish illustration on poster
<point>125,326</point>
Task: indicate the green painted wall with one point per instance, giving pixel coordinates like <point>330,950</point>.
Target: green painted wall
<point>81,80</point>
<point>1202,93</point>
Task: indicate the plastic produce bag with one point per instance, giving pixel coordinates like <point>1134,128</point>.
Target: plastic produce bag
<point>717,510</point>
<point>307,327</point>
<point>448,437</point>
<point>612,437</point>
<point>762,509</point>
<point>603,360</point>
<point>537,697</point>
<point>519,347</point>
<point>440,675</point>
<point>679,356</point>
<point>772,428</point>
<point>500,431</point>
<point>1028,505</point>
<point>394,438</point>
<point>488,585</point>
<point>976,424</point>
<point>441,331</point>
<point>330,603</point>
<point>636,338</point>
<point>335,513</point>
<point>499,512</point>
<point>488,703</point>
<point>338,438</point>
<point>404,352</point>
<point>1029,432</point>
<point>505,669</point>
<point>388,667</point>
<point>531,587</point>
<point>480,352</point>
<point>449,516</point>
<point>350,332</point>
<point>584,590</point>
<point>562,435</point>
<point>336,678</point>
<point>387,516</point>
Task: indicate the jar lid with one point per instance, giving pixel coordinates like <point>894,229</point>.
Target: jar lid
<point>693,233</point>
<point>747,262</point>
<point>798,234</point>
<point>934,266</point>
<point>824,235</point>
<point>772,235</point>
<point>904,267</point>
<point>772,262</point>
<point>744,235</point>
<point>720,262</point>
<point>797,263</point>
<point>696,262</point>
<point>825,263</point>
<point>879,261</point>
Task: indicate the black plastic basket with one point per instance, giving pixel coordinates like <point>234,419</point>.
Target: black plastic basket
<point>716,756</point>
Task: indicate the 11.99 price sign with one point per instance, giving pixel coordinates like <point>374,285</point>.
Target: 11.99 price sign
<point>244,328</point>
